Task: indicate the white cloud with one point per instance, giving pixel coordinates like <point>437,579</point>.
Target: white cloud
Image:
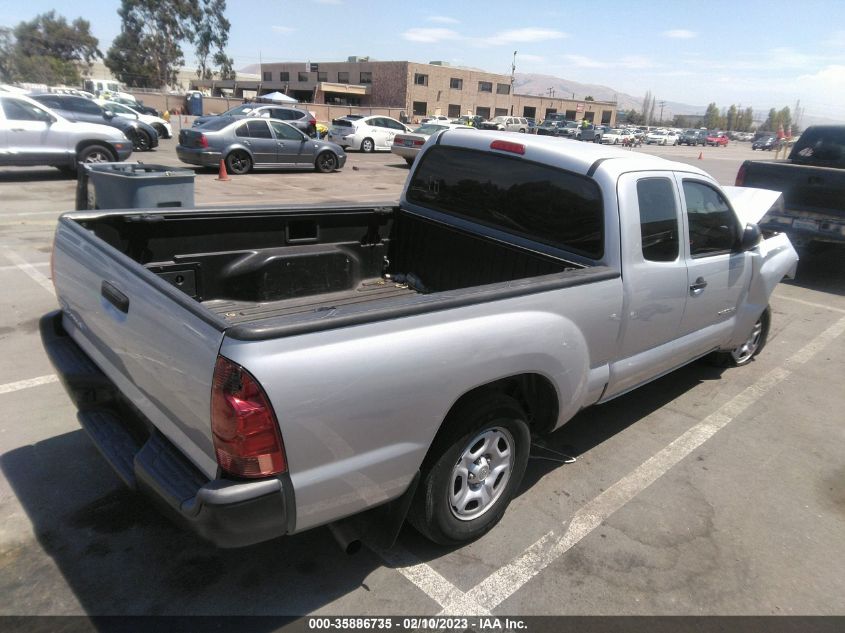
<point>532,59</point>
<point>636,62</point>
<point>516,36</point>
<point>442,19</point>
<point>430,35</point>
<point>283,29</point>
<point>579,61</point>
<point>680,34</point>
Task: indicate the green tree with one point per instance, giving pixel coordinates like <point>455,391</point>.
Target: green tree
<point>7,42</point>
<point>150,41</point>
<point>731,119</point>
<point>712,118</point>
<point>211,30</point>
<point>588,98</point>
<point>633,117</point>
<point>49,50</point>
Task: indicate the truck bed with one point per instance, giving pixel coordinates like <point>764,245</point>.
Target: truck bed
<point>276,271</point>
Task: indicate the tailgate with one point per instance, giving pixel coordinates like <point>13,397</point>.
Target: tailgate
<point>143,334</point>
<point>805,188</point>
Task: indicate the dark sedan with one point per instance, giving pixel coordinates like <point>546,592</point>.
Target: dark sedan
<point>765,143</point>
<point>250,143</point>
<point>143,136</point>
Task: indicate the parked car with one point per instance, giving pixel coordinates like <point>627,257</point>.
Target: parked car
<point>765,143</point>
<point>693,137</point>
<point>719,139</point>
<point>256,143</point>
<point>144,138</point>
<point>616,136</point>
<point>301,119</point>
<point>409,145</point>
<point>506,124</point>
<point>472,120</point>
<point>570,129</point>
<point>32,134</point>
<point>369,134</point>
<point>812,180</point>
<point>517,281</point>
<point>435,118</point>
<point>136,105</point>
<point>657,137</point>
<point>162,127</point>
<point>593,133</point>
<point>551,128</point>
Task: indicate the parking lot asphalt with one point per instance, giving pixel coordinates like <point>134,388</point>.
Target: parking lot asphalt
<point>709,491</point>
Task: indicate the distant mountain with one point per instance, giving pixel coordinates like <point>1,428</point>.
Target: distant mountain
<point>533,84</point>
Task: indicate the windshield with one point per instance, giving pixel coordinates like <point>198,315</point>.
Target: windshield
<point>246,108</point>
<point>430,129</point>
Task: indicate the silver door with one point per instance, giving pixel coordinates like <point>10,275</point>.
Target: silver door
<point>655,279</point>
<point>30,135</point>
<point>718,274</point>
<point>292,148</point>
<point>256,135</point>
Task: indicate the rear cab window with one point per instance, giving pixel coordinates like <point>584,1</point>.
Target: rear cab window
<point>530,200</point>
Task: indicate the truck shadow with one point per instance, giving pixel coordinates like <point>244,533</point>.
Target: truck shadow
<point>597,424</point>
<point>120,556</point>
<point>26,174</point>
<point>822,269</point>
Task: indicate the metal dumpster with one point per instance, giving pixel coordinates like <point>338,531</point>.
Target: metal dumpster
<point>133,186</point>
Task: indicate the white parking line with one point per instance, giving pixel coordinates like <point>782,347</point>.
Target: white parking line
<point>507,580</point>
<point>9,387</point>
<point>4,216</point>
<point>16,267</point>
<point>24,266</point>
<point>812,304</point>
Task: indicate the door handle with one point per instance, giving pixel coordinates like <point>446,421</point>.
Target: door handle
<point>247,143</point>
<point>114,296</point>
<point>18,129</point>
<point>698,287</point>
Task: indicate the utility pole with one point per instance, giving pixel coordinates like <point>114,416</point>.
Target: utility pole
<point>513,70</point>
<point>662,103</point>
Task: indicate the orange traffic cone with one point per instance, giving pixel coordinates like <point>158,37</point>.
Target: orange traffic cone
<point>700,155</point>
<point>221,174</point>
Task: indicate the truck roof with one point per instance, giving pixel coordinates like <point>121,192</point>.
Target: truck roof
<point>572,155</point>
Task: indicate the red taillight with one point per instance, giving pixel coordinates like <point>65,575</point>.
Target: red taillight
<point>398,141</point>
<point>508,146</point>
<point>203,141</point>
<point>419,141</point>
<point>246,434</point>
<point>740,176</point>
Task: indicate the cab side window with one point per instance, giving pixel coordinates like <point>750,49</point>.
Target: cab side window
<point>658,219</point>
<point>713,227</point>
<point>21,111</point>
<point>285,132</point>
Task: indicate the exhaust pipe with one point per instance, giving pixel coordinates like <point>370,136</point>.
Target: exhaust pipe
<point>346,537</point>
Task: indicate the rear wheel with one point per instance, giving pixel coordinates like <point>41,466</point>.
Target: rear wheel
<point>326,162</point>
<point>95,154</point>
<point>473,469</point>
<point>410,161</point>
<point>367,145</point>
<point>238,163</point>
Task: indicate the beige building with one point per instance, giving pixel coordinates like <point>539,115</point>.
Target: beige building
<point>415,89</point>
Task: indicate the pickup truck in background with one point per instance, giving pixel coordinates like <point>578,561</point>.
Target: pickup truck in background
<point>812,181</point>
<point>263,371</point>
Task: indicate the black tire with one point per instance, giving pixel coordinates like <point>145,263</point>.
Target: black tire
<point>95,154</point>
<point>752,346</point>
<point>368,145</point>
<point>141,142</point>
<point>160,130</point>
<point>410,161</point>
<point>238,163</point>
<point>487,420</point>
<point>326,162</point>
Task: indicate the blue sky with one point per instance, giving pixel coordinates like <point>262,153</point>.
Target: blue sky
<point>763,54</point>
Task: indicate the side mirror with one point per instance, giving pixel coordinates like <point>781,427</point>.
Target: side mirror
<point>108,114</point>
<point>750,237</point>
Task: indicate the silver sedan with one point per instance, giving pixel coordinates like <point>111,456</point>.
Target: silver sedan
<point>409,145</point>
<point>256,143</point>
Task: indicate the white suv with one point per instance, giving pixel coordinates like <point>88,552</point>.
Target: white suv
<point>507,124</point>
<point>368,134</point>
<point>31,134</point>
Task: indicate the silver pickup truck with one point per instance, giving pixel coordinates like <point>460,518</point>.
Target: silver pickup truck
<point>262,372</point>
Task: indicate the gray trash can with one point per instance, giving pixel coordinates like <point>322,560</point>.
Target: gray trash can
<point>134,186</point>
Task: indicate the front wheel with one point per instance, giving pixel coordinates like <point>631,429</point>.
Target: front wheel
<point>142,142</point>
<point>473,470</point>
<point>95,154</point>
<point>748,349</point>
<point>326,163</point>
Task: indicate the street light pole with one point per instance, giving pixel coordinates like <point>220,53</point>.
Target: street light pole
<point>513,70</point>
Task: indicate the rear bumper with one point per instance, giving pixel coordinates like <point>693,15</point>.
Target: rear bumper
<point>199,157</point>
<point>229,513</point>
<point>803,228</point>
